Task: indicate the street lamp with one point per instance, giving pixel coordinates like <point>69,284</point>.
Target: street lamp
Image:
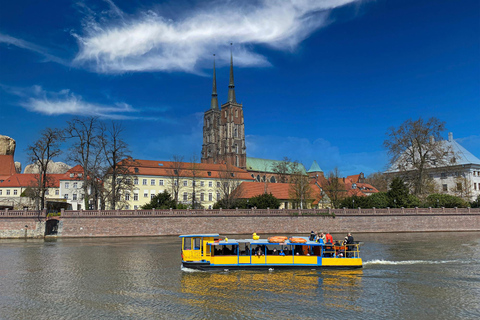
<point>353,203</point>
<point>395,202</point>
<point>437,203</point>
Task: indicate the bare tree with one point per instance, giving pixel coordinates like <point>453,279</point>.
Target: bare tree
<point>415,147</point>
<point>116,170</point>
<point>86,150</point>
<point>463,188</point>
<point>283,169</point>
<point>41,153</point>
<point>379,180</point>
<point>174,174</point>
<point>300,190</point>
<point>194,171</point>
<point>334,188</point>
<point>229,191</point>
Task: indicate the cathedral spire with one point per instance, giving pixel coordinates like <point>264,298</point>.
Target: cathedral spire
<point>231,86</point>
<point>214,103</point>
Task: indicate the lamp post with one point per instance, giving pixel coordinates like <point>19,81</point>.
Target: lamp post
<point>437,203</point>
<point>353,203</point>
<point>395,202</point>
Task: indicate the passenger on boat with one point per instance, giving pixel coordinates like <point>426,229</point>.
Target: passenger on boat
<point>247,250</point>
<point>312,236</point>
<point>281,253</point>
<point>349,244</point>
<point>328,238</point>
<point>275,251</point>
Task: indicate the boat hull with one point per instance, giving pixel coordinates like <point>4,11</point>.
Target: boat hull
<point>206,266</point>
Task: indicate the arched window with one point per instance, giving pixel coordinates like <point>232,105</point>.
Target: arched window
<point>272,179</point>
<point>258,177</point>
<point>236,113</point>
<point>235,133</point>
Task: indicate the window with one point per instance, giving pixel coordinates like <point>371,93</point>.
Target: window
<point>152,182</point>
<point>175,182</point>
<point>127,207</point>
<point>145,194</point>
<point>202,196</point>
<point>127,196</point>
<point>218,196</point>
<point>136,170</point>
<point>135,181</point>
<point>65,195</point>
<point>474,186</point>
<point>236,113</point>
<point>444,187</point>
<point>67,185</point>
<point>0,192</point>
<point>218,184</point>
<point>160,182</point>
<point>79,175</point>
<point>144,182</point>
<point>135,207</point>
<point>194,183</point>
<point>185,183</point>
<point>135,197</point>
<point>8,192</point>
<point>210,197</point>
<point>202,183</point>
<point>15,192</point>
<point>74,196</point>
<point>209,173</point>
<point>71,175</point>
<point>443,175</point>
<point>210,183</point>
<point>57,192</point>
<point>185,196</point>
<point>459,187</point>
<point>75,185</point>
<point>152,196</point>
<point>128,181</point>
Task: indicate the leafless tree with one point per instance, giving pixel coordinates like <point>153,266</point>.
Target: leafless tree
<point>379,180</point>
<point>300,190</point>
<point>86,150</point>
<point>229,182</point>
<point>463,188</point>
<point>41,153</point>
<point>116,173</point>
<point>194,171</point>
<point>174,173</point>
<point>415,147</point>
<point>283,169</point>
<point>334,187</point>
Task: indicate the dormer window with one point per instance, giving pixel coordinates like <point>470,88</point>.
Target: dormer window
<point>136,170</point>
<point>209,173</point>
<point>79,175</point>
<point>71,175</point>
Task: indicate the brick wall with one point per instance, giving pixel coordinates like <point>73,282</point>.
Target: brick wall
<point>154,223</point>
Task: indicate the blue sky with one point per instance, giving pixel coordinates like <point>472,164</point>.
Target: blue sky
<point>319,80</point>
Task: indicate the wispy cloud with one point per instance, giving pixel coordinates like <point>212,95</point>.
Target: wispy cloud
<point>9,40</point>
<point>64,102</point>
<point>151,42</point>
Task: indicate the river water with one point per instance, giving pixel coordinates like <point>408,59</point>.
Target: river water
<point>405,276</point>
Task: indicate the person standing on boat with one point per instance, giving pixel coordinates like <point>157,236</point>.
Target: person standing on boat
<point>328,238</point>
<point>349,244</point>
<point>312,236</point>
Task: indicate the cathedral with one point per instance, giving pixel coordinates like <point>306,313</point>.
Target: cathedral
<point>224,129</point>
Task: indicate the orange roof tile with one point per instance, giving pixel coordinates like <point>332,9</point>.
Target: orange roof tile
<point>29,179</point>
<point>281,191</point>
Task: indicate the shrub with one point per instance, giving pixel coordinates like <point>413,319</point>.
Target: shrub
<point>161,200</point>
<point>445,200</point>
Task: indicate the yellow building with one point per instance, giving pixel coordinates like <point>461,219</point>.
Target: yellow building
<point>207,183</point>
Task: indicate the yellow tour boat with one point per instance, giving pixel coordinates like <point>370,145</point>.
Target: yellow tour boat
<point>212,252</point>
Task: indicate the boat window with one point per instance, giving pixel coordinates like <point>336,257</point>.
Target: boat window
<point>196,243</point>
<point>226,250</point>
<point>187,244</point>
<point>244,249</point>
<point>274,250</point>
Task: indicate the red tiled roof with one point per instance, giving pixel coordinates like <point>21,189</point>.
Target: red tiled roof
<point>7,166</point>
<point>281,191</point>
<point>30,179</point>
<point>165,168</point>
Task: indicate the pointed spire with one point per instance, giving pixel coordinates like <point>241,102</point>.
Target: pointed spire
<point>214,103</point>
<point>231,86</point>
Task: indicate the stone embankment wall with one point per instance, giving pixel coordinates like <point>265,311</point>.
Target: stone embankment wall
<point>115,223</point>
<point>21,224</point>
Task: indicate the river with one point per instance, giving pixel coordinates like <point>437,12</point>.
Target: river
<point>405,276</point>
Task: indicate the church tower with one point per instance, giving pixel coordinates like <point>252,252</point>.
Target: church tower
<point>227,130</point>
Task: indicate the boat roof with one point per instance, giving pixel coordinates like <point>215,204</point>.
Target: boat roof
<point>204,235</point>
<point>264,242</point>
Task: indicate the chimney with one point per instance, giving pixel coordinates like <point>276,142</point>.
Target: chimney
<point>450,136</point>
<point>432,140</point>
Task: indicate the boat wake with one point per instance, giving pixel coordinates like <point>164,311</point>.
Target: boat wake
<point>407,262</point>
<point>184,269</point>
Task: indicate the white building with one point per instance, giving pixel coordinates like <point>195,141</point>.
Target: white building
<point>460,178</point>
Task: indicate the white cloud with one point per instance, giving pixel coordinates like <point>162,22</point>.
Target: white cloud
<point>32,47</point>
<point>150,42</point>
<point>36,99</point>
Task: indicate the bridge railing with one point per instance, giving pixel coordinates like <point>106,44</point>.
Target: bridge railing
<point>327,212</point>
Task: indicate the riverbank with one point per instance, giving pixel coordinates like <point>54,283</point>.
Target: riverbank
<point>134,223</point>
